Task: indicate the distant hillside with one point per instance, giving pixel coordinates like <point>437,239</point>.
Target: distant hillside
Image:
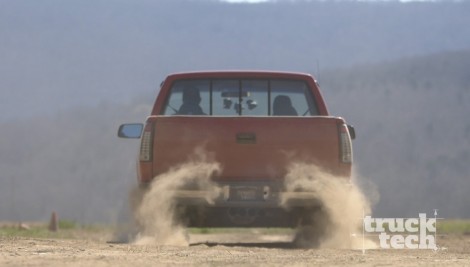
<point>57,54</point>
<point>413,143</point>
<point>413,129</point>
<point>72,163</point>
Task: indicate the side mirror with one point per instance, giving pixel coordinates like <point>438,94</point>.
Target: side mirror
<point>352,132</point>
<point>130,130</point>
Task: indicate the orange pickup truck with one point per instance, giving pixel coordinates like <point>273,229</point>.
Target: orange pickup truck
<point>254,123</point>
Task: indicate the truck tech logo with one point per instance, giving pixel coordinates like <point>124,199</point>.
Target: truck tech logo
<point>397,233</point>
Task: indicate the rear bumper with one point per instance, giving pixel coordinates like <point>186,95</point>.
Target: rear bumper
<point>284,209</point>
<point>285,200</point>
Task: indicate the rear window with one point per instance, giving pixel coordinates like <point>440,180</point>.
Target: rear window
<point>240,97</point>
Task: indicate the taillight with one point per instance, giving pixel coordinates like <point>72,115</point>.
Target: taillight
<point>346,144</point>
<point>146,146</point>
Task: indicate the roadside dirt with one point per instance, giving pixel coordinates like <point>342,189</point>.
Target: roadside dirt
<point>247,249</point>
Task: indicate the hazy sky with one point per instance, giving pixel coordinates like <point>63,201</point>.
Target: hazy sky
<point>261,1</point>
<point>245,1</point>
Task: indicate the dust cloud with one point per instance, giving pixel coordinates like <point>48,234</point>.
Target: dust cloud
<point>156,215</point>
<point>338,224</point>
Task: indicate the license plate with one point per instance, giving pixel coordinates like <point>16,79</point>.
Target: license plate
<point>245,193</point>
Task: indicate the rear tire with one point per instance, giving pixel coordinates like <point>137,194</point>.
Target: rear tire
<point>313,229</point>
<point>128,226</point>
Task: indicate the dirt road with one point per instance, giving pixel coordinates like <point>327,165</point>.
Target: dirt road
<point>220,250</point>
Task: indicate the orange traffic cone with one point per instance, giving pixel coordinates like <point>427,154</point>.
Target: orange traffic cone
<point>53,225</point>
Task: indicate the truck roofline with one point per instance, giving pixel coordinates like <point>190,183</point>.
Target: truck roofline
<point>239,73</point>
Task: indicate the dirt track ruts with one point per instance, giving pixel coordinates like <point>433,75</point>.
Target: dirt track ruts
<point>220,250</point>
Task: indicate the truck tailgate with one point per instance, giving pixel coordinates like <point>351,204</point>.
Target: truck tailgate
<point>248,148</point>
